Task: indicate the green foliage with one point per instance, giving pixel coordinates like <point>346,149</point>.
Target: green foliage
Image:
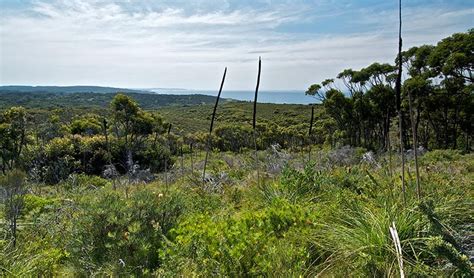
<point>33,204</point>
<point>442,109</point>
<point>355,239</point>
<point>13,187</point>
<point>233,138</point>
<point>81,181</point>
<point>446,250</point>
<point>441,155</point>
<point>30,261</point>
<point>63,156</point>
<point>86,126</point>
<point>122,234</point>
<point>12,137</point>
<point>319,220</point>
<point>294,186</point>
<point>252,243</point>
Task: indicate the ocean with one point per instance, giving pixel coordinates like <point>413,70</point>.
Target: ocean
<point>264,96</point>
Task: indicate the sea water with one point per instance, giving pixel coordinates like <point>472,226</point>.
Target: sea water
<point>264,96</point>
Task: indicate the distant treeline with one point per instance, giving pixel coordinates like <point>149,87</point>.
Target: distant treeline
<point>67,89</point>
<point>9,98</point>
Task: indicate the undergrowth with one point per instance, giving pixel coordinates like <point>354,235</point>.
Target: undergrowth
<point>305,221</point>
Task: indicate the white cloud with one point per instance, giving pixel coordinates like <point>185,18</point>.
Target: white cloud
<point>107,43</point>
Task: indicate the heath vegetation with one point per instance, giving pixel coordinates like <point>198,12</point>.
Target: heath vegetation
<point>130,187</point>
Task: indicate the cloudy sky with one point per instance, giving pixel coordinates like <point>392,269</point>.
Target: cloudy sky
<point>187,44</point>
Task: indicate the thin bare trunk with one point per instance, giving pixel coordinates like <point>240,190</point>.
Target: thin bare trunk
<point>182,160</point>
<point>166,160</point>
<point>192,158</point>
<point>310,132</point>
<point>389,148</point>
<point>398,89</point>
<point>212,125</point>
<point>415,147</point>
<point>254,121</point>
<point>109,154</point>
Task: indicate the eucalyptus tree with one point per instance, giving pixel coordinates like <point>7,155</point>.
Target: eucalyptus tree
<point>419,85</point>
<point>338,106</point>
<point>454,56</point>
<point>356,84</point>
<point>381,97</point>
<point>452,63</point>
<point>439,81</point>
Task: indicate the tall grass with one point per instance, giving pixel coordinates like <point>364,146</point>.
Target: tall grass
<point>355,240</point>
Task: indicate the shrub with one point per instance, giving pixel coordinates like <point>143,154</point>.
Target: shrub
<point>256,243</point>
<point>85,181</point>
<point>54,162</point>
<point>123,234</point>
<point>233,138</point>
<point>33,204</point>
<point>89,155</point>
<point>441,155</point>
<point>87,125</point>
<point>294,186</point>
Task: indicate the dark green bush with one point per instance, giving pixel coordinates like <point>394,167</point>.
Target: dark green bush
<point>89,155</point>
<point>123,234</point>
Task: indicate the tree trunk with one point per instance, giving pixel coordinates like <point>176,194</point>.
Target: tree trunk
<point>415,147</point>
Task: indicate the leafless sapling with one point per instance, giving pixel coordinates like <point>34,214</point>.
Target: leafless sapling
<point>213,117</point>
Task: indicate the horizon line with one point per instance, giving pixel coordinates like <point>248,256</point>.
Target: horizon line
<point>146,88</point>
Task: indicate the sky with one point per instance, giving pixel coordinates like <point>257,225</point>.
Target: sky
<point>187,43</point>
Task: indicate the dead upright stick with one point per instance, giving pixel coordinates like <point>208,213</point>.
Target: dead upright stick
<point>166,161</point>
<point>398,89</point>
<point>109,154</point>
<point>254,122</point>
<point>415,143</point>
<point>389,148</point>
<point>212,125</point>
<point>181,159</point>
<point>192,158</point>
<point>310,132</point>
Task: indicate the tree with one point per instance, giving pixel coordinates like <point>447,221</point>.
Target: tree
<point>452,63</point>
<point>132,125</point>
<point>315,91</point>
<point>13,187</point>
<point>454,56</point>
<point>13,136</point>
